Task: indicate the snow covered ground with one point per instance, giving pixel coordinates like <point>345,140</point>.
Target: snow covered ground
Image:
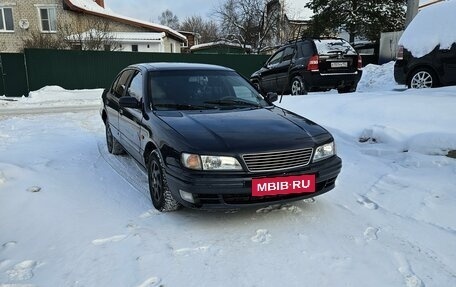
<point>73,215</point>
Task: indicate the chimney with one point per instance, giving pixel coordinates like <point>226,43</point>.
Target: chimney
<point>99,2</point>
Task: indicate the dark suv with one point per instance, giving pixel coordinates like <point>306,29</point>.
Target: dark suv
<point>437,68</point>
<point>310,65</point>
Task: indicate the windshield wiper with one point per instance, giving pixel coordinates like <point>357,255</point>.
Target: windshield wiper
<point>234,102</point>
<point>186,106</point>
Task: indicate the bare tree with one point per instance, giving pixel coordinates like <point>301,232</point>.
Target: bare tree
<point>207,30</point>
<point>250,22</point>
<point>167,18</point>
<point>83,32</point>
<point>36,39</point>
<point>88,33</point>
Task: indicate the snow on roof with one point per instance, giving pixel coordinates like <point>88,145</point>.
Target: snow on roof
<point>91,7</point>
<point>219,43</point>
<point>431,27</point>
<point>139,36</point>
<point>122,36</point>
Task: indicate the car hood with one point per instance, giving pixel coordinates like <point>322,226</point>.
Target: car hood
<point>244,131</point>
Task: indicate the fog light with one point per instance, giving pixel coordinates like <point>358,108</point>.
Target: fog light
<point>187,196</point>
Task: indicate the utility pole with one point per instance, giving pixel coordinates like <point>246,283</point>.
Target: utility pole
<point>412,10</point>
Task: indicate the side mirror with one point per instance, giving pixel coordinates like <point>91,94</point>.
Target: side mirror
<point>129,102</point>
<point>271,97</point>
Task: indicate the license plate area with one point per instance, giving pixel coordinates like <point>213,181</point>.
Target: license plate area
<point>339,64</point>
<point>283,185</point>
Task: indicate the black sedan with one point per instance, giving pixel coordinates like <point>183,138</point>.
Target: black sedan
<point>208,139</point>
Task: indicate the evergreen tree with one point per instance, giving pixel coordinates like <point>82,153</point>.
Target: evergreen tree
<point>362,18</point>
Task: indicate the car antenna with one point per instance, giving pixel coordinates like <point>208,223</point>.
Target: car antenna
<point>295,48</point>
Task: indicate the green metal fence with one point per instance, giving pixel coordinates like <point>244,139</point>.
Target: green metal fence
<point>96,69</point>
<point>13,75</point>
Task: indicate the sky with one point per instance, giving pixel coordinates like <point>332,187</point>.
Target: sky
<point>150,10</point>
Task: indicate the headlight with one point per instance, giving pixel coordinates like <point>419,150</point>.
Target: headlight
<point>210,162</point>
<point>324,151</point>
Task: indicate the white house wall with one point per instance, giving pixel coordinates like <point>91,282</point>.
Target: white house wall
<point>142,47</point>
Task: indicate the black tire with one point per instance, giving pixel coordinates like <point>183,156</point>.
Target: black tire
<point>114,146</point>
<point>346,89</point>
<point>161,196</point>
<point>297,86</point>
<point>422,78</point>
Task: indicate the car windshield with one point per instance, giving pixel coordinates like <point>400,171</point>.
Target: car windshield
<point>334,46</point>
<point>202,90</point>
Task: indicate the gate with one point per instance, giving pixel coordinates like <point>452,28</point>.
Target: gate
<point>13,75</point>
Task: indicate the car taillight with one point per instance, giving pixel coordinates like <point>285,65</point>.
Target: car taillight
<point>400,53</point>
<point>313,63</point>
<point>360,62</point>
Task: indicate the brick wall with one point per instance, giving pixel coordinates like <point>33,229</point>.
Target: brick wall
<point>26,9</point>
<point>23,9</point>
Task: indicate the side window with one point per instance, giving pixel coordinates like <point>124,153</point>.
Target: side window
<point>135,89</point>
<point>288,54</point>
<point>276,58</point>
<point>307,49</point>
<point>119,86</point>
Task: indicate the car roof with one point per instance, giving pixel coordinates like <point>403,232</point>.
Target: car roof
<point>175,66</point>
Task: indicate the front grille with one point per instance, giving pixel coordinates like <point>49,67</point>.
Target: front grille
<point>274,161</point>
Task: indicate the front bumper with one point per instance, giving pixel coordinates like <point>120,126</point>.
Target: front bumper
<point>218,191</point>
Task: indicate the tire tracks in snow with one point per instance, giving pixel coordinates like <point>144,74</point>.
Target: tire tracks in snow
<point>47,110</point>
<point>127,168</point>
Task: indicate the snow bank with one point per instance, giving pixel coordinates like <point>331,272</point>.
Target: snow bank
<point>376,78</point>
<point>432,26</point>
<point>71,214</point>
<point>53,97</point>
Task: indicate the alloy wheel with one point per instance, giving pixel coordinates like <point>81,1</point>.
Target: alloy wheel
<point>421,79</point>
<point>155,181</point>
<point>296,87</point>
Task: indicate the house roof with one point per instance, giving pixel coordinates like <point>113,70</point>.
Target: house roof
<point>424,4</point>
<point>219,43</point>
<point>90,7</point>
<point>138,36</point>
<point>124,36</point>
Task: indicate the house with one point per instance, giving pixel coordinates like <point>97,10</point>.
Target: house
<point>192,40</point>
<point>292,22</point>
<point>21,19</point>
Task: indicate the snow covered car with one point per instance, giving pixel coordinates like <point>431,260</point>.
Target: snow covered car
<point>426,55</point>
<point>208,139</point>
